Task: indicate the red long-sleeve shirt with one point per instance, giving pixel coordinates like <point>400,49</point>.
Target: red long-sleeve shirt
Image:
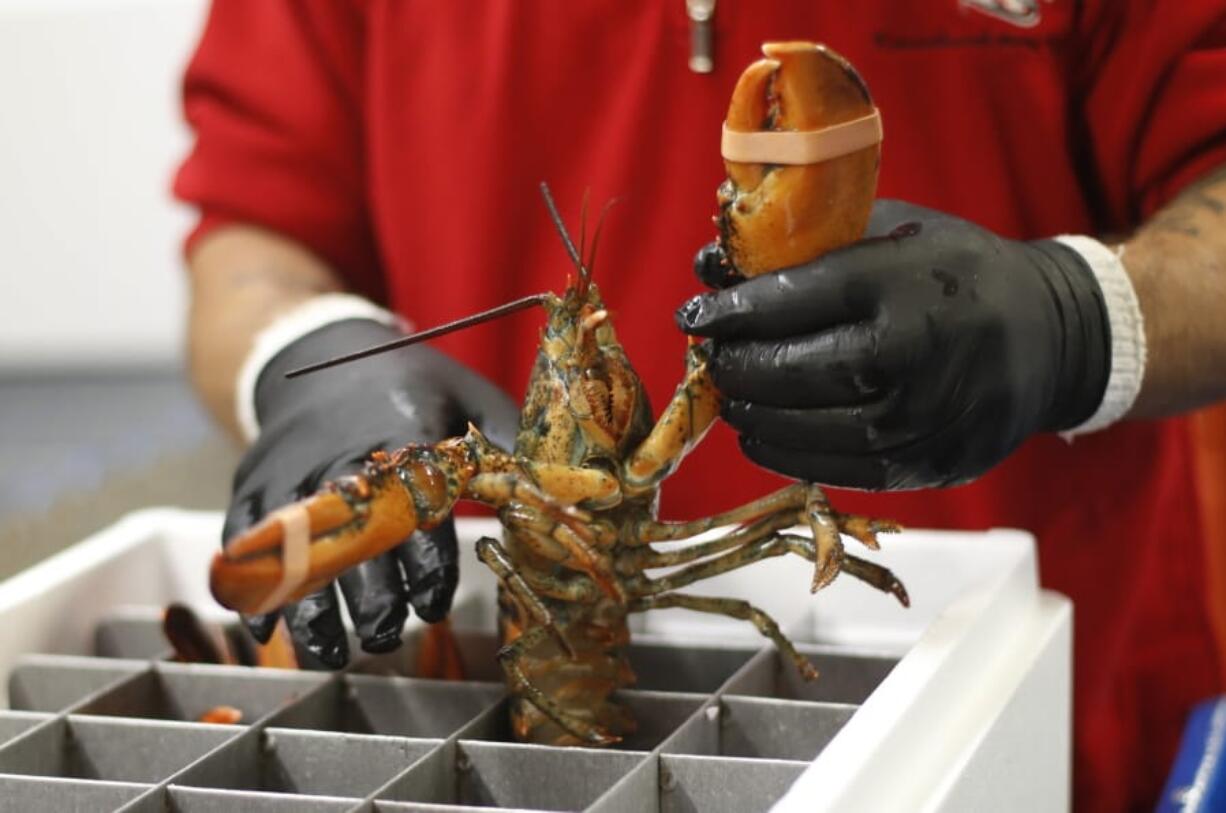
<point>403,140</point>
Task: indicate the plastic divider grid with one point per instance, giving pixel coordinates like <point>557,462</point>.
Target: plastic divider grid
<point>288,761</point>
<point>720,729</point>
<point>13,723</point>
<point>406,707</point>
<point>111,749</point>
<point>25,793</point>
<point>199,800</point>
<point>56,682</point>
<point>171,691</point>
<point>701,784</point>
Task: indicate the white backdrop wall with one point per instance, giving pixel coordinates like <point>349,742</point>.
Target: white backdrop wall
<point>91,130</point>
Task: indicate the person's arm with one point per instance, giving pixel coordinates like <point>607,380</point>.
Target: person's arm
<point>242,279</point>
<point>1177,264</point>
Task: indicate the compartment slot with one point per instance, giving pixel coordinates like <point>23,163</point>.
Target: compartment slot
<point>13,723</point>
<point>292,761</point>
<point>477,649</point>
<point>692,784</point>
<point>757,728</point>
<point>405,707</point>
<point>659,665</point>
<point>485,774</point>
<point>53,683</point>
<point>844,678</point>
<point>186,691</point>
<point>635,792</point>
<point>667,667</point>
<point>201,800</point>
<point>132,632</point>
<point>112,750</point>
<point>422,807</point>
<point>658,714</point>
<point>772,729</point>
<point>22,793</point>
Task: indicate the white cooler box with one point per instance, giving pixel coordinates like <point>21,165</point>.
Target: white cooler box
<point>961,702</point>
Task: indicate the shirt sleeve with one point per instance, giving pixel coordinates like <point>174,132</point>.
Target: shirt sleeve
<point>1154,91</point>
<point>274,96</point>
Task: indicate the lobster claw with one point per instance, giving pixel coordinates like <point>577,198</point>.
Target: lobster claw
<point>775,215</point>
<point>298,549</point>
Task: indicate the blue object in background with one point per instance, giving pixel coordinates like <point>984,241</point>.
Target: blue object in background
<point>1197,782</point>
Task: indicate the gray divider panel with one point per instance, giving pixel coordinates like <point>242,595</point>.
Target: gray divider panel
<point>406,707</point>
<point>13,723</point>
<point>720,729</point>
<point>199,800</point>
<point>110,749</point>
<point>289,761</point>
<point>22,794</point>
<point>700,784</point>
<point>55,682</point>
<point>778,729</point>
<point>845,677</point>
<point>132,632</point>
<point>185,692</point>
<point>487,774</point>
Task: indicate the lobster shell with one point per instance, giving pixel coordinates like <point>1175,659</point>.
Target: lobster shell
<point>774,216</point>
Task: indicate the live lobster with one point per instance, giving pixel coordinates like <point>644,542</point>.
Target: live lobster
<point>577,497</point>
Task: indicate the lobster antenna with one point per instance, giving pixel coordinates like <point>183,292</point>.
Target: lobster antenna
<point>421,336</point>
<point>591,258</point>
<point>583,223</point>
<point>560,225</point>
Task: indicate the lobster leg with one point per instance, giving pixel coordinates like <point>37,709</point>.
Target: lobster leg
<point>799,502</point>
<point>499,489</point>
<point>510,655</point>
<point>648,557</point>
<point>558,544</point>
<point>682,424</point>
<point>877,576</point>
<point>828,546</point>
<point>733,608</point>
<point>574,589</point>
<point>575,484</point>
<point>494,556</point>
<point>776,545</point>
<point>788,497</point>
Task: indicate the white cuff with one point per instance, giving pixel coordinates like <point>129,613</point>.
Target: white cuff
<point>1127,332</point>
<point>287,328</point>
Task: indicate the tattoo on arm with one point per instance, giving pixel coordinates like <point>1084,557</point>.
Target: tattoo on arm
<point>1177,263</point>
<point>1182,215</point>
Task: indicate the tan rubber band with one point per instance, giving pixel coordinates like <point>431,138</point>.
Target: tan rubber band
<point>295,554</point>
<point>801,147</point>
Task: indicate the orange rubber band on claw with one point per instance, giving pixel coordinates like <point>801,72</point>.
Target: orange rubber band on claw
<point>295,554</point>
<point>795,147</point>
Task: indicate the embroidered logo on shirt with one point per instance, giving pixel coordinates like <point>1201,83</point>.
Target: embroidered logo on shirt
<point>1021,13</point>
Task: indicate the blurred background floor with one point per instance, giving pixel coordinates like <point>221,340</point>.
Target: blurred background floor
<point>79,450</point>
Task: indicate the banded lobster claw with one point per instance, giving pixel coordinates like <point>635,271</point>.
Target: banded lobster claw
<point>298,549</point>
<point>790,198</point>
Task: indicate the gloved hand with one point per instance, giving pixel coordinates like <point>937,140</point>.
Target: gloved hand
<point>323,425</point>
<point>920,356</point>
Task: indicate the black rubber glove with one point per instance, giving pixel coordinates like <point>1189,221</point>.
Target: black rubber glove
<point>920,356</point>
<point>320,426</point>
